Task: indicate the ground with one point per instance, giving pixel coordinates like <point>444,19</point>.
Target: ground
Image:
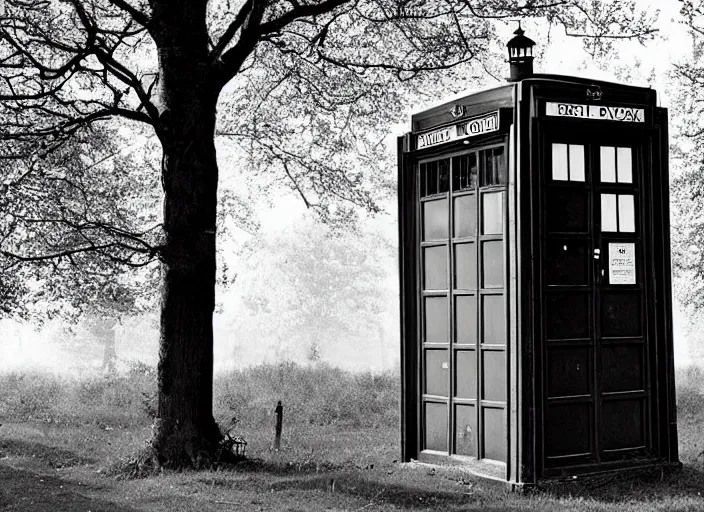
<point>62,438</point>
<point>56,468</point>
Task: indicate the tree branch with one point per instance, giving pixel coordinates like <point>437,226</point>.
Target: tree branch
<point>252,32</point>
<point>232,30</point>
<point>136,14</point>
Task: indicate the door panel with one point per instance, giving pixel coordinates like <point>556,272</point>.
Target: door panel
<point>462,303</point>
<point>594,317</point>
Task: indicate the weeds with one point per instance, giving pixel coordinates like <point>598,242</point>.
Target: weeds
<point>318,395</point>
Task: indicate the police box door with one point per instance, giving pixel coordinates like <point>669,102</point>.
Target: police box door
<point>595,301</point>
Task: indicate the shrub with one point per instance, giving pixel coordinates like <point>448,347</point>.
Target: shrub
<point>317,395</point>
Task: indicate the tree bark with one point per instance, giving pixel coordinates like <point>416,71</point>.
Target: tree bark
<point>185,432</point>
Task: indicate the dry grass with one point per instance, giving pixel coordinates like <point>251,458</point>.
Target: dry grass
<point>341,457</point>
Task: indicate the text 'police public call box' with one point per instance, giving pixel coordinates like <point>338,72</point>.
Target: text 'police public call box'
<point>535,281</point>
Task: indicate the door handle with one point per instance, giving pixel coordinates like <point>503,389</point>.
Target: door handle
<point>597,253</point>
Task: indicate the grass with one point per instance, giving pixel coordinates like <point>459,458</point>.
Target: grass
<point>340,450</point>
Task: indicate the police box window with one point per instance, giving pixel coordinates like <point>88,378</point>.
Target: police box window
<point>493,166</point>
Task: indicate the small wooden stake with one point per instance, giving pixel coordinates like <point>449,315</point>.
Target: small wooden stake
<point>279,423</point>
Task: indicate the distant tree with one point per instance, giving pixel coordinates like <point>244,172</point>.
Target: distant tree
<point>687,188</point>
<point>307,288</point>
<point>307,80</point>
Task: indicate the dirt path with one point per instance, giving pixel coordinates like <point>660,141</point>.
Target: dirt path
<point>22,490</point>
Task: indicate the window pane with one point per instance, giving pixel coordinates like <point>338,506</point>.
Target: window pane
<point>608,164</point>
<point>436,319</point>
<point>608,212</point>
<point>626,214</point>
<point>500,165</point>
<point>464,172</point>
<point>494,167</point>
<point>429,175</point>
<point>492,213</point>
<point>435,219</point>
<point>435,268</point>
<point>436,368</point>
<point>465,266</point>
<point>625,165</point>
<point>435,427</point>
<point>559,162</point>
<point>494,378</point>
<point>488,174</point>
<point>576,162</point>
<point>493,319</point>
<point>466,374</point>
<point>465,319</point>
<point>493,264</point>
<point>465,213</point>
<point>444,175</point>
<point>466,436</point>
<point>494,434</point>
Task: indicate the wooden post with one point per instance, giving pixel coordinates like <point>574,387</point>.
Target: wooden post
<point>279,423</point>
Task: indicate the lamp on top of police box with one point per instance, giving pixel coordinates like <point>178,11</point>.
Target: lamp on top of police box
<point>520,56</point>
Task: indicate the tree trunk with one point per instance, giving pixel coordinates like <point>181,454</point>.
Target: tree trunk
<point>185,433</point>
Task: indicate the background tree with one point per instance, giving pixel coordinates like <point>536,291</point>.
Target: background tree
<point>306,82</point>
<point>308,292</point>
<point>687,168</point>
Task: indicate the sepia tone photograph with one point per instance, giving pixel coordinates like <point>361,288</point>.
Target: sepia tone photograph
<point>351,255</point>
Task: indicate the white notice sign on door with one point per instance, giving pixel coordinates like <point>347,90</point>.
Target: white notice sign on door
<point>622,263</point>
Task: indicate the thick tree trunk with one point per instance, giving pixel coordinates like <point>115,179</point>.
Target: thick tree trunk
<point>185,432</point>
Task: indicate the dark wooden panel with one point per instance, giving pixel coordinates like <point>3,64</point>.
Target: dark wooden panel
<point>622,367</point>
<point>568,429</point>
<point>568,371</point>
<point>567,314</point>
<point>621,314</point>
<point>567,262</point>
<point>567,210</point>
<point>623,424</point>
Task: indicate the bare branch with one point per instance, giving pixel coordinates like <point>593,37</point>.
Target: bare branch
<point>136,14</point>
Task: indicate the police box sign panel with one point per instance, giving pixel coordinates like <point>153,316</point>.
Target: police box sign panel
<point>478,126</point>
<point>622,263</point>
<point>596,112</point>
